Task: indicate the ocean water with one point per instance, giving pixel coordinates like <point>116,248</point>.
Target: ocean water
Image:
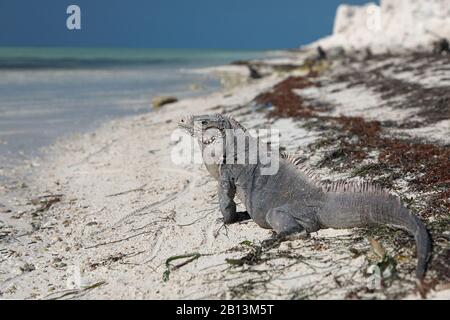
<point>46,93</point>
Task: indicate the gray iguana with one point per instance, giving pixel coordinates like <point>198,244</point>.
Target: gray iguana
<point>293,201</point>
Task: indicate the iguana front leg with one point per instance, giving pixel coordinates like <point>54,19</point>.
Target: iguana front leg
<point>227,192</point>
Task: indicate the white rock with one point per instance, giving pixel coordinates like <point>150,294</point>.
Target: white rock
<point>394,25</point>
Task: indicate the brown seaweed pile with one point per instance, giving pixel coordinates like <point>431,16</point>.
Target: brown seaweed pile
<point>354,139</point>
<point>285,101</point>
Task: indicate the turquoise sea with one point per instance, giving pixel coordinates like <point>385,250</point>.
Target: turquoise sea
<point>46,93</point>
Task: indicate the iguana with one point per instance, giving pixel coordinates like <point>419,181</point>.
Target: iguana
<point>293,201</point>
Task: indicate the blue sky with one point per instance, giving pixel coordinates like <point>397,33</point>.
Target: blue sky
<point>221,24</point>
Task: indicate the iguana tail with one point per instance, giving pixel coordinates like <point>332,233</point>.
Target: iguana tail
<point>401,218</point>
<point>363,205</point>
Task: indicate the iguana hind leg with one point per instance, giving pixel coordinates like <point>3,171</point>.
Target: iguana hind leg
<point>282,221</point>
<point>285,225</point>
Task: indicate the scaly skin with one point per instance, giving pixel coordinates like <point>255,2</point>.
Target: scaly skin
<point>293,202</point>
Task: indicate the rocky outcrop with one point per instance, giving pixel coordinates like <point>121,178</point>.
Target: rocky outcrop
<point>394,25</point>
<point>158,102</point>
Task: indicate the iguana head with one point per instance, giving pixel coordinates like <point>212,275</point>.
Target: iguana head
<point>208,129</point>
<point>223,140</point>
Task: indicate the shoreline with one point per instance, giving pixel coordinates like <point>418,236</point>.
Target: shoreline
<point>108,208</point>
<point>42,102</point>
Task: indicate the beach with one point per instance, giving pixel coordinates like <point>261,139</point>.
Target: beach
<point>48,93</point>
<point>107,214</point>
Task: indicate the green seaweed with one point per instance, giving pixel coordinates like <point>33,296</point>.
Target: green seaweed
<point>192,257</point>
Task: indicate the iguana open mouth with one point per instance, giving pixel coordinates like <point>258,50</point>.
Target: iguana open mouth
<point>189,125</point>
<point>209,141</point>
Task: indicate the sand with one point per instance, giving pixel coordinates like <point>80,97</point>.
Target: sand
<point>124,213</point>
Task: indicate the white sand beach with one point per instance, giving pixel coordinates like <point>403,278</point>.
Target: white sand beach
<point>123,214</point>
<point>107,214</point>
